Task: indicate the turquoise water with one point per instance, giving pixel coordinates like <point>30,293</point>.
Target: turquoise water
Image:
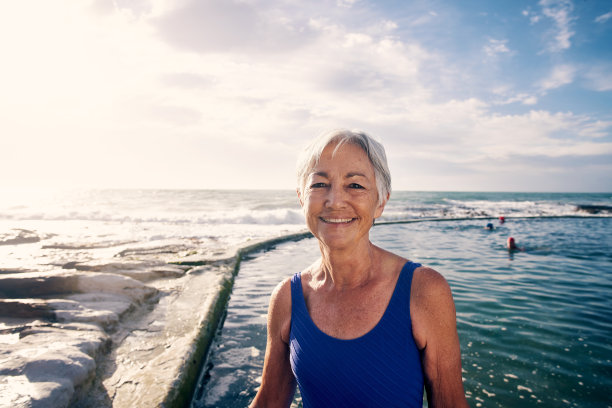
<point>534,325</point>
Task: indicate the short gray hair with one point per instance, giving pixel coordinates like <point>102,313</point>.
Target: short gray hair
<point>375,151</point>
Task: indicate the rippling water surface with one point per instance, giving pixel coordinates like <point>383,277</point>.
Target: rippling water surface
<point>534,325</point>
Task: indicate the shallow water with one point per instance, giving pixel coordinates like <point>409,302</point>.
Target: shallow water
<point>534,325</point>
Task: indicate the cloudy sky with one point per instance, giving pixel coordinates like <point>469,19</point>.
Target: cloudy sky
<point>470,95</point>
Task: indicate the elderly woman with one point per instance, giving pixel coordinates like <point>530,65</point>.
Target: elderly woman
<point>361,327</point>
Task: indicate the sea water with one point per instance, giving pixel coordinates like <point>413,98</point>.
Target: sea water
<point>534,325</point>
<point>42,230</point>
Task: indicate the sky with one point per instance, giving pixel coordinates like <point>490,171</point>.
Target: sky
<point>465,96</point>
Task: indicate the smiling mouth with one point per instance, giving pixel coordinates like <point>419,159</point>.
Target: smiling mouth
<point>336,220</point>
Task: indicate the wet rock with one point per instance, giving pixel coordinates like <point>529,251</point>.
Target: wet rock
<point>92,245</point>
<point>19,236</point>
<point>37,284</point>
<point>49,365</point>
<point>18,391</point>
<point>14,270</point>
<point>41,284</point>
<point>29,308</point>
<point>111,283</point>
<point>142,271</point>
<point>117,304</point>
<point>67,310</point>
<point>160,250</point>
<point>53,326</point>
<point>109,333</point>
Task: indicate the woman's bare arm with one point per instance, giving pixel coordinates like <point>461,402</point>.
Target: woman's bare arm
<point>277,383</point>
<point>435,330</point>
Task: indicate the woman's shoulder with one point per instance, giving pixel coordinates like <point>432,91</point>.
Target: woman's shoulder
<point>280,300</point>
<point>430,289</point>
<point>431,303</point>
<point>429,281</point>
<point>279,310</point>
<point>282,292</point>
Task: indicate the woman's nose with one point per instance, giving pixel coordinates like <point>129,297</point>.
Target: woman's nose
<point>336,197</point>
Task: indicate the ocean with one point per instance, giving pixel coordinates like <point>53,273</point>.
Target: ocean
<point>44,229</point>
<point>534,324</point>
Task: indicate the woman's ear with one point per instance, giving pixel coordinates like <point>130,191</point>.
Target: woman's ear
<point>299,194</point>
<point>381,207</point>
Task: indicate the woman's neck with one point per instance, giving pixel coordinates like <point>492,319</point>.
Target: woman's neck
<point>350,268</point>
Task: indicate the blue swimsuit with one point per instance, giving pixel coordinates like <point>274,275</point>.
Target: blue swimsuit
<point>379,369</point>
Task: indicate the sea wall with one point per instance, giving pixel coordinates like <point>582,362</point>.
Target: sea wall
<point>127,332</point>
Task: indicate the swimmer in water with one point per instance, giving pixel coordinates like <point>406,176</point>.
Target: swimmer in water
<point>511,245</point>
<point>502,220</point>
<point>489,226</point>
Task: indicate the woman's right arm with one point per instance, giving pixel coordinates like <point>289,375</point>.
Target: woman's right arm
<point>277,383</point>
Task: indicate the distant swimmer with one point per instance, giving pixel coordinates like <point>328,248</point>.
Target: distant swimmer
<point>511,245</point>
<point>502,220</point>
<point>489,226</point>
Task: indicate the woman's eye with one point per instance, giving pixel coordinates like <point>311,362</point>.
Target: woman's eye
<point>318,185</point>
<point>355,185</point>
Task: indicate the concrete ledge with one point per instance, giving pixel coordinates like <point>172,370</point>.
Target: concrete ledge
<point>182,390</point>
<point>158,354</point>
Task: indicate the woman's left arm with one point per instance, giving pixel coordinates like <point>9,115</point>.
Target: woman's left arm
<point>435,331</point>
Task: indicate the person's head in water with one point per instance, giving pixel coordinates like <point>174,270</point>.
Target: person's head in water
<point>489,226</point>
<point>511,244</point>
<point>502,220</point>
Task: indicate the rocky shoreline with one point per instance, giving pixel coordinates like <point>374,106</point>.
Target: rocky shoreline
<point>131,331</point>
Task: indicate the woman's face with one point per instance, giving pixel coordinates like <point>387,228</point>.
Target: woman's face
<point>340,199</point>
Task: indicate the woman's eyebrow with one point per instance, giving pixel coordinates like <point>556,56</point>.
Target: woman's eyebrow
<point>348,175</point>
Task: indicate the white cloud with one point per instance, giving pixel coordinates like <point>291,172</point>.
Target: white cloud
<point>423,19</point>
<point>468,132</point>
<point>115,90</point>
<point>599,77</point>
<point>604,17</point>
<point>105,99</point>
<point>346,3</point>
<point>227,26</point>
<point>455,144</point>
<point>533,17</point>
<point>530,100</point>
<point>525,99</point>
<point>507,95</point>
<point>496,47</point>
<point>595,129</point>
<point>561,75</point>
<point>389,25</point>
<point>560,11</point>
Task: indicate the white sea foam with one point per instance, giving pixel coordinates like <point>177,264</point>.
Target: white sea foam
<point>511,376</point>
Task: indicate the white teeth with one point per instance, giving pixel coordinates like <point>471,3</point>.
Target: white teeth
<point>337,220</point>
